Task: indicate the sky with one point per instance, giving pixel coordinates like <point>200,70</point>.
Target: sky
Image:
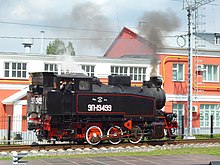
<point>92,25</point>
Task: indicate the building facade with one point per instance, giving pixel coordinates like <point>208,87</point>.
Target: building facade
<point>171,64</point>
<point>14,79</point>
<point>205,88</point>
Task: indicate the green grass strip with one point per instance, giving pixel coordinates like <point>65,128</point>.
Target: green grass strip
<point>208,151</point>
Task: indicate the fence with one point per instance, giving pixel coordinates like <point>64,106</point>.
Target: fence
<point>182,131</point>
<point>13,130</point>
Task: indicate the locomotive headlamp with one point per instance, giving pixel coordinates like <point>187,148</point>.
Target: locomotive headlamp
<point>159,82</point>
<point>36,89</point>
<point>169,117</point>
<point>156,80</point>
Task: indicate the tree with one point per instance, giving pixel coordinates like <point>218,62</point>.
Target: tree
<point>58,47</point>
<point>70,49</point>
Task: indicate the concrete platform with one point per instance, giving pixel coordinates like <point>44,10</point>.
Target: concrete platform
<point>128,160</point>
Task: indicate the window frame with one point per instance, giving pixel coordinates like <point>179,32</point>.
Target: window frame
<point>206,76</point>
<point>177,72</point>
<point>137,74</point>
<point>205,115</point>
<point>15,70</point>
<point>51,67</point>
<point>178,110</point>
<point>89,69</point>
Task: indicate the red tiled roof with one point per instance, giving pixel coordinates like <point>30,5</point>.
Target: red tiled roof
<point>129,43</point>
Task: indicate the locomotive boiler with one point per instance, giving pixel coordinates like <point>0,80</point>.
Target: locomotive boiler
<point>79,108</point>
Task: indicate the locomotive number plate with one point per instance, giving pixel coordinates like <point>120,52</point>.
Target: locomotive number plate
<point>36,100</point>
<point>99,107</point>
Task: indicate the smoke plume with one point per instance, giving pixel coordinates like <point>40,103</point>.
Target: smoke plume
<point>154,26</point>
<point>89,15</point>
<point>157,24</point>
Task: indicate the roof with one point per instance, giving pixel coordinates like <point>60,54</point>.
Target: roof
<point>129,43</point>
<point>15,97</point>
<point>210,37</point>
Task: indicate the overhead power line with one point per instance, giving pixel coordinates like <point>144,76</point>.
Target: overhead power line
<point>57,27</point>
<point>52,38</point>
<point>69,38</point>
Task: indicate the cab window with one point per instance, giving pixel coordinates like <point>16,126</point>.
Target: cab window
<point>84,85</point>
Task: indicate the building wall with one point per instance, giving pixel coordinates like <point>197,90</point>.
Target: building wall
<point>205,93</point>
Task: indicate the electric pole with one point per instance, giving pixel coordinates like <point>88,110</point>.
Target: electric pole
<point>191,7</point>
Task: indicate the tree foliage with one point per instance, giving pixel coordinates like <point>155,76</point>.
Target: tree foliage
<point>58,47</point>
<point>70,49</point>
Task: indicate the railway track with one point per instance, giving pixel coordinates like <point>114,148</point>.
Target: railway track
<point>9,148</point>
<point>194,141</point>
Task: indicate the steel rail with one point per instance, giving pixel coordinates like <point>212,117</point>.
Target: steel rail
<point>9,148</point>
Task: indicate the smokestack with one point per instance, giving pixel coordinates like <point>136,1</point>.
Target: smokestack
<point>42,42</point>
<point>27,46</point>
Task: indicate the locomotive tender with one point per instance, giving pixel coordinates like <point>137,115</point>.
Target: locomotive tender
<point>78,108</point>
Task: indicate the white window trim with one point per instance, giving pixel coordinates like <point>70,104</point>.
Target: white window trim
<point>209,111</point>
<point>205,70</point>
<point>54,64</point>
<point>143,75</point>
<point>183,111</point>
<point>183,80</point>
<point>90,72</point>
<point>11,70</point>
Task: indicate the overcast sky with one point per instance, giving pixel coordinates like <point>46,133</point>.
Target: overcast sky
<point>91,25</point>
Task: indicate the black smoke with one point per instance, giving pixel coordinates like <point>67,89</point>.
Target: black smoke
<point>154,26</point>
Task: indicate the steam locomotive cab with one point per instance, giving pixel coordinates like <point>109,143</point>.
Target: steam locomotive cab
<point>37,97</point>
<point>79,108</point>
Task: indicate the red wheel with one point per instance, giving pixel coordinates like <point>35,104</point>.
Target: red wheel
<point>136,135</point>
<point>114,133</point>
<point>93,135</point>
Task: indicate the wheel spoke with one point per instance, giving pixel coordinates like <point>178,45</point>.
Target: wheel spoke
<point>115,134</point>
<point>93,135</point>
<point>136,135</point>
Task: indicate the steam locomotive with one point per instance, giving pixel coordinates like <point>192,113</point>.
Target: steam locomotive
<point>79,108</point>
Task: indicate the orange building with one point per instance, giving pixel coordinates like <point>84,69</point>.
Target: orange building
<point>174,70</point>
<point>205,88</point>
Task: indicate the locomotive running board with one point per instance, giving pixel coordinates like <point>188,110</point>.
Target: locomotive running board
<point>119,136</point>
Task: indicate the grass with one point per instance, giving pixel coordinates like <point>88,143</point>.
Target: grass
<point>208,151</point>
<point>207,136</point>
<point>215,136</point>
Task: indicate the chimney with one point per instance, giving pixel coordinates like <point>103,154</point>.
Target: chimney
<point>27,46</point>
<point>42,42</point>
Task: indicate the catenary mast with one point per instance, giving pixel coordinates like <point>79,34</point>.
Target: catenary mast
<point>191,6</point>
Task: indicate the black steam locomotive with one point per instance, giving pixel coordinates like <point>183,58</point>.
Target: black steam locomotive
<point>78,108</point>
